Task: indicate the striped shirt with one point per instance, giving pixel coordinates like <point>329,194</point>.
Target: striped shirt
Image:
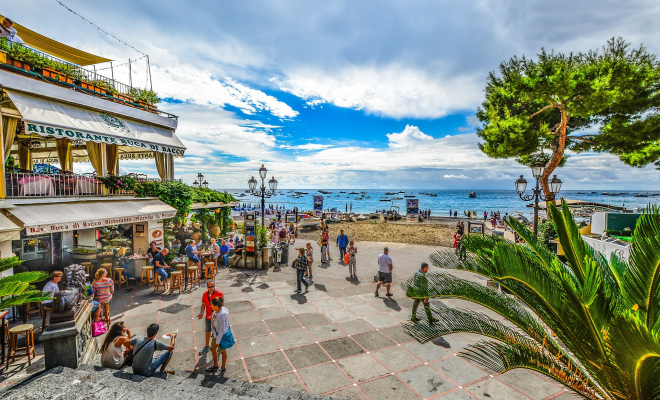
<point>103,290</point>
<point>301,263</point>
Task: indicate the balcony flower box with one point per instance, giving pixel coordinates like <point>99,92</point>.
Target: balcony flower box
<point>19,64</point>
<point>3,57</point>
<point>124,97</point>
<point>93,88</point>
<point>53,74</point>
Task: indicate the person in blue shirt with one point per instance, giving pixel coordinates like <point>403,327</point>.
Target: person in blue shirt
<point>160,267</point>
<point>342,242</point>
<point>191,253</point>
<point>224,252</point>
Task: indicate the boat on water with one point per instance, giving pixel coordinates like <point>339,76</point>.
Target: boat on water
<point>390,193</point>
<point>354,193</point>
<point>396,198</point>
<point>473,195</point>
<point>342,192</point>
<point>324,192</point>
<point>641,195</point>
<point>310,222</point>
<point>384,199</point>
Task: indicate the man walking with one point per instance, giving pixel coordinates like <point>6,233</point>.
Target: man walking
<point>342,242</point>
<point>309,253</point>
<point>144,363</point>
<point>209,295</point>
<point>384,272</point>
<point>421,282</point>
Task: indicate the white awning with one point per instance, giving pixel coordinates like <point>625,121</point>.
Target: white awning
<point>60,120</point>
<point>58,217</point>
<point>8,229</point>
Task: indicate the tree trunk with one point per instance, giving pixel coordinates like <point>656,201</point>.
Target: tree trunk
<point>558,145</point>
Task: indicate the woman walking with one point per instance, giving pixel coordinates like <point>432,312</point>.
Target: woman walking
<point>301,267</point>
<point>223,338</point>
<point>352,251</point>
<point>324,247</point>
<point>116,346</point>
<point>309,253</point>
<point>103,287</point>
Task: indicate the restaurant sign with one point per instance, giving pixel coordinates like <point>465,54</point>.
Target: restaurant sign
<point>95,223</point>
<point>62,133</point>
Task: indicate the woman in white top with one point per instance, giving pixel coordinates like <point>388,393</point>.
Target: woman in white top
<point>112,351</point>
<point>220,326</point>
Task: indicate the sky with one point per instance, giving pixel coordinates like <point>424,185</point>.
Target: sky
<point>342,94</point>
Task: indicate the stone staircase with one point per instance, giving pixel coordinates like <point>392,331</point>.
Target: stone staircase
<point>93,382</point>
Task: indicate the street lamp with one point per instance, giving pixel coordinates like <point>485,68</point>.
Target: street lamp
<point>272,184</point>
<point>537,193</point>
<point>200,182</point>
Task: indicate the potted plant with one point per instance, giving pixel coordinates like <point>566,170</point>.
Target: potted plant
<point>21,57</point>
<point>59,71</point>
<point>145,97</point>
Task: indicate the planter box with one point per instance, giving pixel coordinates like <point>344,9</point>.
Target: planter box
<point>19,64</point>
<point>3,57</point>
<point>89,86</point>
<point>51,73</point>
<point>124,97</point>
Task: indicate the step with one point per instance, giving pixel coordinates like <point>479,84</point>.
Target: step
<point>93,382</point>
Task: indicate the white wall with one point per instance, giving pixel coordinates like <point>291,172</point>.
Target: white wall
<point>5,251</point>
<point>607,248</point>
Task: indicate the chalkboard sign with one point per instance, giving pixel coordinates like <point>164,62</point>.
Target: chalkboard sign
<point>621,221</point>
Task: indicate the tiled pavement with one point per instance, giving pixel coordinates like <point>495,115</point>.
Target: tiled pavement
<point>338,339</point>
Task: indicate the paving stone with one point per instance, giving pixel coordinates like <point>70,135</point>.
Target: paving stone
<point>284,291</point>
<point>327,304</point>
<point>459,370</point>
<point>308,320</point>
<point>530,384</point>
<point>339,314</point>
<point>351,393</point>
<point>351,301</point>
<point>493,389</point>
<point>426,381</point>
<point>306,356</point>
<point>363,310</point>
<point>273,312</point>
<point>316,295</point>
<point>207,358</point>
<point>184,341</point>
<point>362,367</point>
<point>325,332</point>
<point>341,348</point>
<point>283,324</point>
<point>289,381</point>
<point>459,394</point>
<point>373,340</point>
<point>301,308</point>
<point>396,358</point>
<point>324,378</point>
<point>355,326</point>
<point>293,338</point>
<point>243,317</point>
<point>182,360</point>
<point>267,365</point>
<point>239,306</point>
<point>387,388</point>
<point>568,396</point>
<point>260,294</point>
<point>337,293</point>
<point>249,330</point>
<point>266,302</point>
<point>257,345</point>
<point>381,321</point>
<point>458,342</point>
<point>428,351</point>
<point>397,334</point>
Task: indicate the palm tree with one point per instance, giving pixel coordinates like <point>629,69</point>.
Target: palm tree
<point>18,289</point>
<point>587,323</point>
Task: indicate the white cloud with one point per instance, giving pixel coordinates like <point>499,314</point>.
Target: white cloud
<point>393,91</point>
<point>410,135</point>
<point>190,84</point>
<point>308,146</point>
<point>456,176</point>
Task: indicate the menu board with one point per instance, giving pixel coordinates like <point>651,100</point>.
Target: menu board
<point>412,210</point>
<point>249,232</point>
<point>318,206</point>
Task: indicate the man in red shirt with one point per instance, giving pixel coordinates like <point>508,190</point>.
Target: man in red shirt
<point>206,309</point>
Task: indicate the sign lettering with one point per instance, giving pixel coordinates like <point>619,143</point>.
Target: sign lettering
<point>69,226</point>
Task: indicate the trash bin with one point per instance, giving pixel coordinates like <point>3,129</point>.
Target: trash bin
<point>284,259</point>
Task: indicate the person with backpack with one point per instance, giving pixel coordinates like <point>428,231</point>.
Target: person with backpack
<point>143,361</point>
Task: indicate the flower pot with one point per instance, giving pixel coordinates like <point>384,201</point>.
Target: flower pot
<point>124,97</point>
<point>53,74</point>
<point>195,236</point>
<point>143,104</point>
<point>19,64</point>
<point>214,230</point>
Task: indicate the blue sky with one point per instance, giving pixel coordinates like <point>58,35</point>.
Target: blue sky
<point>343,93</point>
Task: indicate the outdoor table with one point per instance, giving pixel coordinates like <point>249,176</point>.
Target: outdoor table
<point>3,339</point>
<point>36,185</point>
<point>85,185</point>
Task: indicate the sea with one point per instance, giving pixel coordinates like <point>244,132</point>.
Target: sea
<point>440,202</point>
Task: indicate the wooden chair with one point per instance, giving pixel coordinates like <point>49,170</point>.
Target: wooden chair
<point>193,276</point>
<point>89,266</point>
<point>147,276</point>
<point>119,277</point>
<point>28,331</point>
<point>108,267</point>
<point>45,309</point>
<point>176,281</point>
<point>209,271</point>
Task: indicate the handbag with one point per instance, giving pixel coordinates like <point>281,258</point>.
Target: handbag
<point>227,340</point>
<point>294,264</point>
<point>128,360</point>
<point>347,258</point>
<point>98,328</point>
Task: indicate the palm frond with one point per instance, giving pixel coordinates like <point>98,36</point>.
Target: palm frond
<point>9,262</point>
<point>647,378</point>
<point>25,277</point>
<point>26,297</point>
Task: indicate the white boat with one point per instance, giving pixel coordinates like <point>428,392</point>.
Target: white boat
<point>310,222</point>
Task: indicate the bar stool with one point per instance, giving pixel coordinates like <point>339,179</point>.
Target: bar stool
<point>147,276</point>
<point>28,331</point>
<point>176,281</point>
<point>119,277</point>
<point>106,313</point>
<point>209,271</point>
<point>89,266</point>
<point>45,309</point>
<point>158,284</point>
<point>108,267</point>
<point>193,276</point>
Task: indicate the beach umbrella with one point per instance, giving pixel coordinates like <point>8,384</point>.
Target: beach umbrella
<point>351,206</point>
<point>346,207</point>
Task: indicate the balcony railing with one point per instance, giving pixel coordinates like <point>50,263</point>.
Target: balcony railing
<point>36,63</point>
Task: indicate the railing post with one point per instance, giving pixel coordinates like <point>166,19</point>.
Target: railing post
<point>3,183</point>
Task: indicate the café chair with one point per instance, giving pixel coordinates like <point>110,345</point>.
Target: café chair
<point>176,282</point>
<point>147,276</point>
<point>193,276</point>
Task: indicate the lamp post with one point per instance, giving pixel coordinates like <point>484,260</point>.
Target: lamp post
<point>200,182</point>
<point>272,184</point>
<point>537,192</point>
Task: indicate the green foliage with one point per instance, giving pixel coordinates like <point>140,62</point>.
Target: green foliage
<point>124,182</point>
<point>541,104</point>
<point>605,314</point>
<point>109,88</point>
<point>17,289</point>
<point>547,232</point>
<point>145,95</point>
<point>11,163</point>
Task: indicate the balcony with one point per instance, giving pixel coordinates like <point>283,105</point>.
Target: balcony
<point>21,184</point>
<point>29,62</point>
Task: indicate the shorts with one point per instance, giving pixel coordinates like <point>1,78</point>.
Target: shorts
<point>385,277</point>
<point>214,345</point>
<point>208,325</point>
<point>193,259</point>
